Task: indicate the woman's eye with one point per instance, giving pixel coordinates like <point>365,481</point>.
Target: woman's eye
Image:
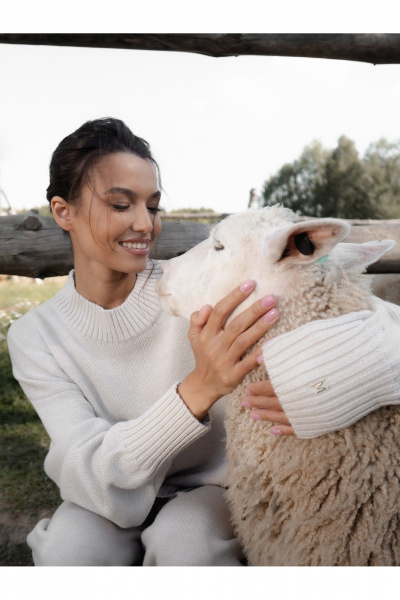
<point>120,207</point>
<point>153,209</point>
<point>218,246</point>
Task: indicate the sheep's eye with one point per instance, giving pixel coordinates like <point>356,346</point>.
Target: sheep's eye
<point>218,246</point>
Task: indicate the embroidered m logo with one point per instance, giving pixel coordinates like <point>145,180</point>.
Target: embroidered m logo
<point>319,386</point>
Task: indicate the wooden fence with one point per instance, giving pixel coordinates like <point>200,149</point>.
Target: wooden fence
<point>34,246</point>
<point>375,48</point>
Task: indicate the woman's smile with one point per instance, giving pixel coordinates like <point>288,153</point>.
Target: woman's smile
<point>140,247</point>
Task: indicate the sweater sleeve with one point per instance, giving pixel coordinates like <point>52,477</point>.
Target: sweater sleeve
<point>114,470</point>
<point>330,373</point>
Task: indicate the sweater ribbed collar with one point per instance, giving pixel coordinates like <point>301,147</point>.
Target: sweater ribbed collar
<point>131,318</point>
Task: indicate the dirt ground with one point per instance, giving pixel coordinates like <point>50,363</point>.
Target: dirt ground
<point>14,528</point>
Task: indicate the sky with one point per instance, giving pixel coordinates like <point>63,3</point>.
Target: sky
<point>217,126</point>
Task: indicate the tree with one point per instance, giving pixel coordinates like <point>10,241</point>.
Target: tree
<point>382,168</point>
<point>296,185</point>
<point>344,193</point>
<point>337,183</point>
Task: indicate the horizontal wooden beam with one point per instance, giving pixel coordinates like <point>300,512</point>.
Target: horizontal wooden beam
<point>375,48</point>
<point>34,246</point>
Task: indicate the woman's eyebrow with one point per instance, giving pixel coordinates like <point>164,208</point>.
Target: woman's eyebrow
<point>129,193</point>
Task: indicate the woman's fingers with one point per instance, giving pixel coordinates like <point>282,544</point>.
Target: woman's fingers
<point>244,363</point>
<point>265,406</point>
<point>224,307</point>
<point>245,329</point>
<point>268,403</point>
<point>269,415</point>
<point>250,325</point>
<point>282,430</point>
<point>251,336</point>
<point>281,425</point>
<point>260,388</point>
<point>199,319</point>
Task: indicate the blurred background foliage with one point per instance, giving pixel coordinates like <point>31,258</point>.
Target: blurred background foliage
<point>338,183</point>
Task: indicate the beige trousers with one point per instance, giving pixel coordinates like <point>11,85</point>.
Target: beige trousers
<point>191,529</point>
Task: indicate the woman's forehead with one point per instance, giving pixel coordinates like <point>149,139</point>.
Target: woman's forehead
<point>124,169</point>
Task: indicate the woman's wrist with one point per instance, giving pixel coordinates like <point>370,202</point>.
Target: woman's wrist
<point>194,396</point>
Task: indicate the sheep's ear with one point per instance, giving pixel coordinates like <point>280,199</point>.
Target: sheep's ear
<point>357,257</point>
<point>306,242</point>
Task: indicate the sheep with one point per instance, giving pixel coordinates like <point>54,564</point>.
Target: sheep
<point>330,500</point>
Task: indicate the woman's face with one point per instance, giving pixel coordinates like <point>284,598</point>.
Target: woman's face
<point>115,221</point>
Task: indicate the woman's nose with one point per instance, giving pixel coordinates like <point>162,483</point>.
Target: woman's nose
<point>142,220</point>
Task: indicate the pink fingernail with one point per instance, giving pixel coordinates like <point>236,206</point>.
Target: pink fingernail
<point>275,431</point>
<point>271,315</point>
<point>255,416</point>
<point>245,404</point>
<point>260,359</point>
<point>247,285</point>
<point>267,301</point>
<point>247,392</point>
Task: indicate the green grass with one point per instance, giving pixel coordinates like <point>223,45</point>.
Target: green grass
<point>26,493</point>
<point>16,298</point>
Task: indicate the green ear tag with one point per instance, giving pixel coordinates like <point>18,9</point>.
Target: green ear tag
<point>323,259</point>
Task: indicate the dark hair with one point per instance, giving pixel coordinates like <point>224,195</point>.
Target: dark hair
<point>77,154</point>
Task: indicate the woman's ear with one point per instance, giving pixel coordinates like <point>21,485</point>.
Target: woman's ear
<point>62,213</point>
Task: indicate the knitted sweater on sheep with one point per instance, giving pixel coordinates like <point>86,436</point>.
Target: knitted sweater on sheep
<point>104,385</point>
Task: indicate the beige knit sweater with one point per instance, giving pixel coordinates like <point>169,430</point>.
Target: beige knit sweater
<point>104,385</point>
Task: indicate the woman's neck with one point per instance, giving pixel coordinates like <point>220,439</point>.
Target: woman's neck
<point>106,288</point>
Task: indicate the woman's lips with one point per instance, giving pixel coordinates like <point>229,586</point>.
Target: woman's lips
<point>136,247</point>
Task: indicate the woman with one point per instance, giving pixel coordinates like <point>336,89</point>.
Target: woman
<point>127,394</point>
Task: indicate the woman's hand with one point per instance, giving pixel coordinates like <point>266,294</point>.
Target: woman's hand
<point>219,351</point>
<point>264,404</point>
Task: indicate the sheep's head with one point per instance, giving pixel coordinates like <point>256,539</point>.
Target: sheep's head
<point>265,245</point>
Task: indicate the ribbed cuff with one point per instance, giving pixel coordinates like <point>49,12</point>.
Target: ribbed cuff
<point>330,373</point>
<point>160,433</point>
